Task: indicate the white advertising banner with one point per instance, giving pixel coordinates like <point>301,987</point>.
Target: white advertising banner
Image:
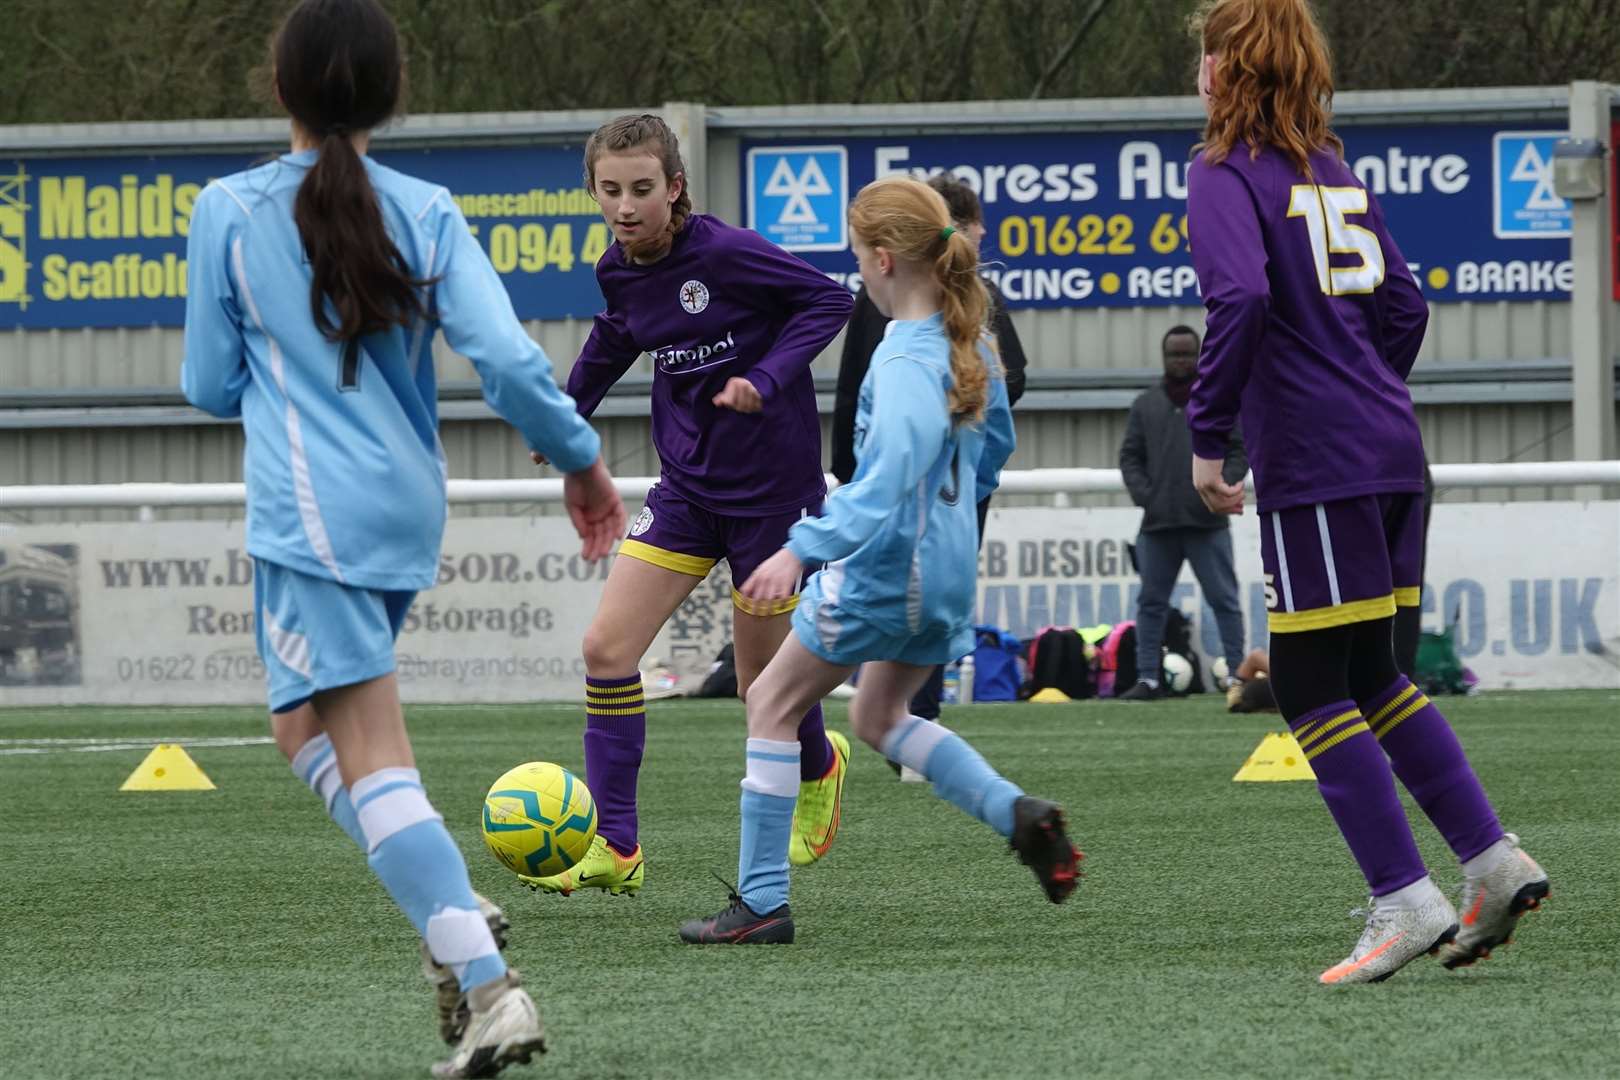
<point>162,613</point>
<point>1532,589</point>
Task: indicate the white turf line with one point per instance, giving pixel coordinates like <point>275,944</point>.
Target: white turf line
<point>14,747</point>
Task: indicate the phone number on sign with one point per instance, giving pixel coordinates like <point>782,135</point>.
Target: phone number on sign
<point>533,247</point>
<point>216,667</point>
<point>1087,234</point>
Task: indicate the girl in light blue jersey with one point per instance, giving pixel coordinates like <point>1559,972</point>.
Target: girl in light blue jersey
<point>899,542</point>
<point>318,281</point>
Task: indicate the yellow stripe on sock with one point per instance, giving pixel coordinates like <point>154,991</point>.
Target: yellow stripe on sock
<point>595,710</point>
<point>1327,726</point>
<point>616,703</point>
<point>1417,705</point>
<point>614,693</point>
<point>1353,729</point>
<point>1391,705</point>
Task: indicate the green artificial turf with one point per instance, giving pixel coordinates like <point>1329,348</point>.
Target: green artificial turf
<point>238,933</point>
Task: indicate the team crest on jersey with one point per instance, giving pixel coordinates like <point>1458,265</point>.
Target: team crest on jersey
<point>643,521</point>
<point>694,296</point>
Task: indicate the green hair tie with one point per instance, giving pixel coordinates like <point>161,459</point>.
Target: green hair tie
<point>945,233</point>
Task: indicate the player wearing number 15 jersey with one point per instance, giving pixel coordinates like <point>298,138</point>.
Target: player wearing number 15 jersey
<point>1314,321</point>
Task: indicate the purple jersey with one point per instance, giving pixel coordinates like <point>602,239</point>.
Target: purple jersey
<point>1314,321</point>
<point>724,302</point>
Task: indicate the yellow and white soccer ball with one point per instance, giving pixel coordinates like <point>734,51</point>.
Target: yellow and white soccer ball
<point>539,819</point>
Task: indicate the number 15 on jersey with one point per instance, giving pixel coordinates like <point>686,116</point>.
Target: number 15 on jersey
<point>1324,210</point>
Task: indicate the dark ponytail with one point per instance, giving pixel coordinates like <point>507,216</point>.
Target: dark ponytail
<point>338,72</point>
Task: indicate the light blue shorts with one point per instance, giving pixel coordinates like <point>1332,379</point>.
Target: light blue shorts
<point>315,634</point>
<point>846,639</point>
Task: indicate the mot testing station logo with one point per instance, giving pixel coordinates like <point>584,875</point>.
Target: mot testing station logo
<point>798,195</point>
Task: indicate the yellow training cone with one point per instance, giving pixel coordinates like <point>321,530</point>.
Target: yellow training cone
<point>168,768</point>
<point>1051,695</point>
<point>1278,757</point>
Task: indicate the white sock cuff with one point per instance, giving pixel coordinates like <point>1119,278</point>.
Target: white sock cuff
<point>1486,861</point>
<point>328,783</point>
<point>1411,896</point>
<point>390,801</point>
<point>316,765</point>
<point>910,742</point>
<point>367,787</point>
<point>311,757</point>
<point>457,936</point>
<point>773,768</point>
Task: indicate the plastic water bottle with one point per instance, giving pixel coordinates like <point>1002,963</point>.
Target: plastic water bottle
<point>964,680</point>
<point>950,694</point>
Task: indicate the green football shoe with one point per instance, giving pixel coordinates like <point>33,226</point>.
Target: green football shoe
<point>820,808</point>
<point>601,868</point>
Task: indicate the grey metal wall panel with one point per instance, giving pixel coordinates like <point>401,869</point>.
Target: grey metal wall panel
<point>486,449</point>
<point>1063,338</point>
<point>1459,333</point>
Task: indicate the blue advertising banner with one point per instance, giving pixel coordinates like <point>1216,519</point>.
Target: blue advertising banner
<point>1075,220</point>
<point>1098,220</point>
<point>101,242</point>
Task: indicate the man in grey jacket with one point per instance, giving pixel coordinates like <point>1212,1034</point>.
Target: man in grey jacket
<point>1156,460</point>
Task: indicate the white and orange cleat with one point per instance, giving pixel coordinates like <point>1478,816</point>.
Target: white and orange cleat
<point>1396,934</point>
<point>1493,901</point>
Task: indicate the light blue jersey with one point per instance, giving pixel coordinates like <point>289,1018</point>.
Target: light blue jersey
<point>345,472</point>
<point>900,540</point>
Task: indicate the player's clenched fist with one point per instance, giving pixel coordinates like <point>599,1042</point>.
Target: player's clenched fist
<point>741,396</point>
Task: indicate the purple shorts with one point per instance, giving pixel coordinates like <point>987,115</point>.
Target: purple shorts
<point>1330,564</point>
<point>678,534</point>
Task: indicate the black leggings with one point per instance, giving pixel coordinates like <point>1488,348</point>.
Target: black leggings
<point>1408,625</point>
<point>1314,668</point>
<point>1408,620</point>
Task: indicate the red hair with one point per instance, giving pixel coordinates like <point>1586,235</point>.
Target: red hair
<point>910,220</point>
<point>1273,79</point>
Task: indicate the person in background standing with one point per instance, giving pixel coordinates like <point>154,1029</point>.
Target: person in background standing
<point>1176,526</point>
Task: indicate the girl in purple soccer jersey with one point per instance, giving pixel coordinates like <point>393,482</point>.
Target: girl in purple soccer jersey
<point>732,323</point>
<point>1314,321</point>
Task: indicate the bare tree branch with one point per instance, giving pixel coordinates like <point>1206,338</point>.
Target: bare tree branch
<point>1074,41</point>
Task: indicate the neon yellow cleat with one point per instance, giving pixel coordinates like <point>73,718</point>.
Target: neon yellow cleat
<point>820,808</point>
<point>601,868</point>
